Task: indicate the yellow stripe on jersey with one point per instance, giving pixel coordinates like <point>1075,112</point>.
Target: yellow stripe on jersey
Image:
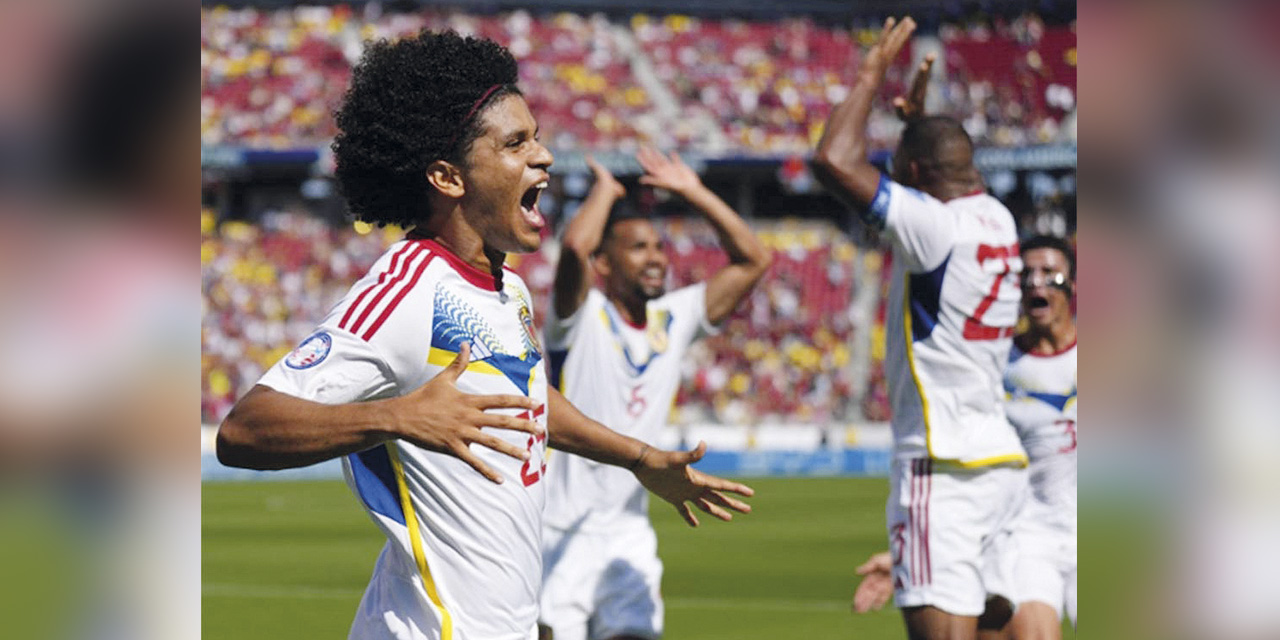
<point>1017,459</point>
<point>1014,459</point>
<point>415,539</point>
<point>443,358</point>
<point>911,360</point>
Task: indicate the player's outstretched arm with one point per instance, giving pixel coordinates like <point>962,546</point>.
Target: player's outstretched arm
<point>877,583</point>
<point>840,162</point>
<point>581,238</point>
<point>268,429</point>
<point>748,258</point>
<point>665,473</point>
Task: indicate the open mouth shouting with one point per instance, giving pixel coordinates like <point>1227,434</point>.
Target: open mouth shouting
<point>529,205</point>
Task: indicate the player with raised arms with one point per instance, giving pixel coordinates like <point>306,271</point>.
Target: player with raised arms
<point>1036,555</point>
<point>617,354</point>
<point>958,467</point>
<point>427,378</point>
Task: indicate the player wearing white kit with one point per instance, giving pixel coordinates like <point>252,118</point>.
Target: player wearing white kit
<point>1039,554</point>
<point>435,135</point>
<point>617,355</point>
<point>957,468</point>
<point>1035,557</point>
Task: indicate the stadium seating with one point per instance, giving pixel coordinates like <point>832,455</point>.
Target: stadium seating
<point>271,78</point>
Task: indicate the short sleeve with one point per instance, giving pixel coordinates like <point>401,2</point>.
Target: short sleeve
<point>920,227</point>
<point>332,366</point>
<point>559,333</point>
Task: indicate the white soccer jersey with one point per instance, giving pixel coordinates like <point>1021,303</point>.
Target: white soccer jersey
<point>953,304</point>
<point>1042,407</point>
<point>463,555</point>
<point>625,377</point>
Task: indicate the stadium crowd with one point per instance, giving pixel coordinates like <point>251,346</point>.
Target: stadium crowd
<point>270,78</point>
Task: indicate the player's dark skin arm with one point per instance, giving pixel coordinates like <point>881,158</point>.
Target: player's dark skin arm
<point>665,473</point>
<point>840,161</point>
<point>748,258</point>
<point>268,429</point>
<point>581,238</point>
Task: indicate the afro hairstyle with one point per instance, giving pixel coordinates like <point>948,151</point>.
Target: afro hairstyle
<point>412,102</point>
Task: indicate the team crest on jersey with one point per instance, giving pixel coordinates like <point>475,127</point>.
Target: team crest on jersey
<point>530,334</point>
<point>311,352</point>
<point>656,331</point>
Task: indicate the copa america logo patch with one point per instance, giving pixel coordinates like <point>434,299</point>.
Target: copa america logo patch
<point>311,352</point>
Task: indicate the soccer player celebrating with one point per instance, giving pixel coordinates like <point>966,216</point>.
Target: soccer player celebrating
<point>957,465</point>
<point>1039,557</point>
<point>429,370</point>
<point>1036,556</point>
<point>616,355</point>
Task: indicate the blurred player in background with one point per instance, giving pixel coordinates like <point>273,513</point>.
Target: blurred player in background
<point>617,355</point>
<point>957,468</point>
<point>1039,554</point>
<point>1036,556</point>
<point>429,370</point>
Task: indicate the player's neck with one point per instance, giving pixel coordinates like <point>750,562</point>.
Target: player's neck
<point>633,311</point>
<point>946,191</point>
<point>1057,338</point>
<point>463,242</point>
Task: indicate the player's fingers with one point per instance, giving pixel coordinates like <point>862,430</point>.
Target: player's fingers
<point>501,446</point>
<point>650,181</point>
<point>720,484</point>
<point>888,27</point>
<point>726,501</point>
<point>900,106</point>
<point>464,453</point>
<point>697,453</point>
<point>715,510</point>
<point>920,84</point>
<point>503,401</point>
<point>499,421</point>
<point>646,157</point>
<point>459,364</point>
<point>687,514</point>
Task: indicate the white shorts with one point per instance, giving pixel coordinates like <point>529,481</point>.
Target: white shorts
<point>1036,564</point>
<point>600,585</point>
<point>942,525</point>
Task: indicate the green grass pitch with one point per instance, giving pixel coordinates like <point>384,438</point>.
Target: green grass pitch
<point>285,561</point>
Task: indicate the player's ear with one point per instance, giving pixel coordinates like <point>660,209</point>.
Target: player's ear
<point>600,261</point>
<point>446,178</point>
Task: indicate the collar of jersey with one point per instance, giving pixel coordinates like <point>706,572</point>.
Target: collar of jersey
<point>468,272</point>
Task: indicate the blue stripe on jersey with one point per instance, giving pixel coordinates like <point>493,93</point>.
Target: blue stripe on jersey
<point>455,322</point>
<point>877,212</point>
<point>376,482</point>
<point>515,369</point>
<point>555,366</point>
<point>1055,399</point>
<point>926,300</point>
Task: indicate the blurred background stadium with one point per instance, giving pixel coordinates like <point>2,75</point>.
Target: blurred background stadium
<point>792,387</point>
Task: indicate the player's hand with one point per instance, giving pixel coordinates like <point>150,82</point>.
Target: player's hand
<point>876,585</point>
<point>668,475</point>
<point>605,180</point>
<point>439,417</point>
<point>670,173</point>
<point>911,106</point>
<point>892,38</point>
